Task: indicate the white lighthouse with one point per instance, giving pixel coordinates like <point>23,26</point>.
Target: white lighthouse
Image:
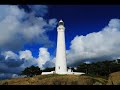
<point>60,64</point>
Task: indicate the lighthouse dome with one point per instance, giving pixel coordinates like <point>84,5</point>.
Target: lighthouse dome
<point>61,22</point>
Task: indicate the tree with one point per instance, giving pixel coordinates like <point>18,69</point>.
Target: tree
<point>31,71</point>
<point>48,69</point>
<point>103,68</point>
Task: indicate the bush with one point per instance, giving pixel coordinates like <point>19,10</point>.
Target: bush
<point>103,68</point>
<point>48,69</point>
<point>31,71</point>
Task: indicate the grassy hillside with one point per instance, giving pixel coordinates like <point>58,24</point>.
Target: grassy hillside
<point>113,79</point>
<point>55,80</point>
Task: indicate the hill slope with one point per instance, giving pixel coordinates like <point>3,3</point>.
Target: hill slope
<point>55,80</point>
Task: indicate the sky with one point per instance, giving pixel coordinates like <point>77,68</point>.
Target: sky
<point>28,35</point>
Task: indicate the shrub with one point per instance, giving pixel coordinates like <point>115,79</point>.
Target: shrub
<point>31,71</point>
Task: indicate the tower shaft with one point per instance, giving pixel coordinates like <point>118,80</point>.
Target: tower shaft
<point>60,65</point>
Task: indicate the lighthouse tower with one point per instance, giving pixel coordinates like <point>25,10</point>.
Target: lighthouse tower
<point>60,64</point>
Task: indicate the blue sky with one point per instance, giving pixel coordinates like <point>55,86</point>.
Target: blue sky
<point>28,35</point>
<point>79,20</point>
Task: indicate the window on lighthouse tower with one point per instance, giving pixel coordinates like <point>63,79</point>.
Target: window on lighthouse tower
<point>59,67</point>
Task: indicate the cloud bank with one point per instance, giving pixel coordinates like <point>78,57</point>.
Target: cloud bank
<point>96,46</point>
<point>18,27</point>
<point>13,64</point>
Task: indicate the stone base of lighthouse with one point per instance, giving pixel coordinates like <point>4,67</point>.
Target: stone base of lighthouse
<point>65,73</point>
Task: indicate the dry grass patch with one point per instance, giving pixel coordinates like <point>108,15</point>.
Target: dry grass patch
<point>114,79</point>
<point>67,80</point>
<point>19,81</point>
<point>54,80</point>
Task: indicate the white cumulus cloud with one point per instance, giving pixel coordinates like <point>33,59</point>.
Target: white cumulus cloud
<point>18,28</point>
<point>44,56</point>
<point>27,54</point>
<point>16,32</point>
<point>15,63</point>
<point>9,54</point>
<point>96,46</point>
